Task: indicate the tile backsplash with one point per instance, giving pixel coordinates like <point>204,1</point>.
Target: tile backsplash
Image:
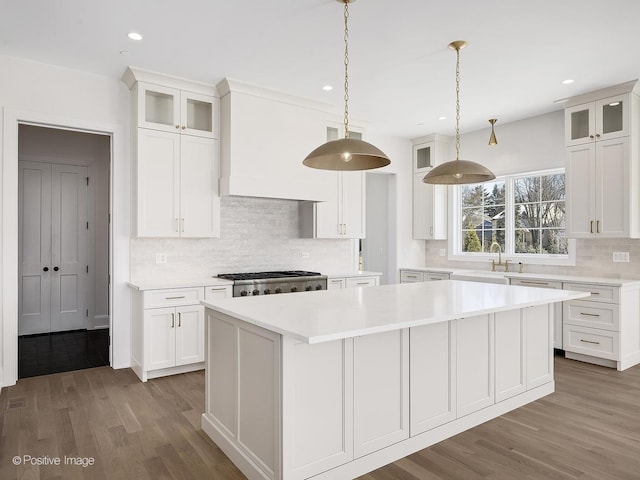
<point>593,258</point>
<point>256,234</point>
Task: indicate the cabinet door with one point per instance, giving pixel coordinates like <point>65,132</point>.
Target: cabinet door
<point>612,188</point>
<point>381,390</point>
<point>579,174</point>
<point>327,214</point>
<point>197,115</point>
<point>356,282</point>
<point>429,210</point>
<point>158,171</point>
<point>217,292</point>
<point>159,338</point>
<point>410,276</point>
<point>189,334</point>
<point>199,198</point>
<point>612,117</point>
<point>539,351</point>
<point>432,366</point>
<point>580,124</point>
<point>333,283</point>
<point>510,354</point>
<point>158,107</point>
<point>353,204</point>
<point>475,356</point>
<point>423,157</point>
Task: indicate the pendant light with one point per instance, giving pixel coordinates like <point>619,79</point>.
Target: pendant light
<point>346,153</point>
<point>458,172</point>
<point>492,138</point>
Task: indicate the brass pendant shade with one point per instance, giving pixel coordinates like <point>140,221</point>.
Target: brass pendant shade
<point>347,153</point>
<point>492,138</point>
<point>458,172</point>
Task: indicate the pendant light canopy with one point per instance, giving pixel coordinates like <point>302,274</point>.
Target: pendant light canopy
<point>458,172</point>
<point>347,153</point>
<point>492,138</point>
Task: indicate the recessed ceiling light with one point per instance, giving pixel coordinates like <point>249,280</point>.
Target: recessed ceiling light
<point>442,118</point>
<point>327,88</point>
<point>135,36</point>
<point>420,124</point>
<point>567,81</point>
<point>124,52</point>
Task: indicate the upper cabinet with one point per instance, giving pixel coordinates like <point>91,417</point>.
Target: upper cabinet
<point>175,156</point>
<point>174,110</point>
<point>603,163</point>
<point>429,201</point>
<point>265,136</point>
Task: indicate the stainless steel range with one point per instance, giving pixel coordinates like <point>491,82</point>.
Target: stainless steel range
<point>266,283</point>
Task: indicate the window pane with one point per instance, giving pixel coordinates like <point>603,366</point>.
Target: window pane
<point>552,214</point>
<point>472,195</point>
<point>553,187</point>
<point>527,215</point>
<point>527,241</point>
<point>471,241</point>
<point>526,189</point>
<point>554,242</point>
<point>471,218</point>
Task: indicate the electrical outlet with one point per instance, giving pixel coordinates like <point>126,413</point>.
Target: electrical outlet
<point>305,254</point>
<point>161,258</point>
<point>622,257</point>
<point>443,252</point>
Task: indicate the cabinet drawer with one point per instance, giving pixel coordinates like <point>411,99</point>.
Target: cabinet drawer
<point>592,314</point>
<point>173,297</point>
<point>335,283</point>
<point>409,276</point>
<point>436,276</point>
<point>217,291</point>
<point>591,341</point>
<point>536,283</point>
<point>599,293</point>
<point>361,282</point>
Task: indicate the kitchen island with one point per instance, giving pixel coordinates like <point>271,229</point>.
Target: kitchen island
<point>333,384</point>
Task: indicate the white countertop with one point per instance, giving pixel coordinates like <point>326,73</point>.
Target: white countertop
<point>327,315</point>
<point>178,283</point>
<point>614,281</point>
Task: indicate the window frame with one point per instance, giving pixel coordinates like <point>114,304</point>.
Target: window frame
<point>455,232</point>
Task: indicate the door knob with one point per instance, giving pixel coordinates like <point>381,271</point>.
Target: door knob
<point>55,269</point>
<point>45,269</point>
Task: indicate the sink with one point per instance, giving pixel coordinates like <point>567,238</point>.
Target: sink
<point>483,276</point>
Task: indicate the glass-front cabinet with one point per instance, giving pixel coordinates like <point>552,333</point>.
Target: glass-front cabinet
<point>423,157</point>
<point>595,121</point>
<point>177,111</point>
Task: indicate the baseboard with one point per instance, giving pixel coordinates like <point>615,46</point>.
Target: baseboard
<point>99,322</point>
<point>603,362</point>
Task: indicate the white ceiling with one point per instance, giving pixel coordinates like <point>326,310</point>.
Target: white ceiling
<point>402,75</point>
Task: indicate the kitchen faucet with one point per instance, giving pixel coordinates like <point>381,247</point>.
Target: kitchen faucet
<point>500,264</point>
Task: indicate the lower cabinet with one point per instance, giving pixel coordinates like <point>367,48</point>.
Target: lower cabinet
<point>413,276</point>
<point>353,281</point>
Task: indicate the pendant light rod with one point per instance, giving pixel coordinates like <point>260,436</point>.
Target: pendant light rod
<point>457,46</point>
<point>346,153</point>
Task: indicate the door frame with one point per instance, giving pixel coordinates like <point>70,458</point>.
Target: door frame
<point>119,232</point>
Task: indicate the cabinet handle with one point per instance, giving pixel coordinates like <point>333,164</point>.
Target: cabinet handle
<point>590,136</point>
<point>336,281</point>
<point>362,283</point>
<point>598,226</point>
<point>173,320</point>
<point>411,276</point>
<point>182,225</point>
<point>174,298</point>
<point>218,289</point>
<point>431,231</point>
<point>530,282</point>
<point>178,127</point>
<point>591,228</point>
<point>183,127</point>
<point>175,224</point>
<point>594,293</point>
<point>589,314</point>
<point>589,341</point>
<point>179,319</point>
<point>597,135</point>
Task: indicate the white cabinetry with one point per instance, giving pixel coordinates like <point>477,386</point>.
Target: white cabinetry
<point>367,280</point>
<point>429,201</point>
<point>603,164</point>
<point>175,155</point>
<point>603,329</point>
<point>168,330</point>
<point>413,276</point>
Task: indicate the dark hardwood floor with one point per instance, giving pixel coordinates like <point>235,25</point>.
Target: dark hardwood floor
<point>589,429</point>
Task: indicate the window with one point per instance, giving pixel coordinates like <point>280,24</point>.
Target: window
<point>524,214</point>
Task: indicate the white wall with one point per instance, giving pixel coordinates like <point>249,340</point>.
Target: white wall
<point>45,94</point>
<point>537,143</point>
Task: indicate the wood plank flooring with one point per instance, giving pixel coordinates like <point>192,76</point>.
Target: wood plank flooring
<point>589,429</point>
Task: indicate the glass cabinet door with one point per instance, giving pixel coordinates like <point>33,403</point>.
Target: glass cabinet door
<point>422,157</point>
<point>158,107</point>
<point>611,117</point>
<point>580,124</point>
<point>197,113</point>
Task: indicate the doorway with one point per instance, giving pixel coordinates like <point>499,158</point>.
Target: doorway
<point>63,240</point>
<point>380,240</point>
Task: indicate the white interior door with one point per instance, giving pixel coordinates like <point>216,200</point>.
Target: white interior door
<point>34,225</point>
<point>52,248</point>
<point>68,247</point>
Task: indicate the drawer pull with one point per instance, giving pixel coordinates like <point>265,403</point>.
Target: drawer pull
<point>530,282</point>
<point>336,281</point>
<point>175,298</point>
<point>411,276</point>
<point>590,314</point>
<point>589,341</point>
<point>218,289</point>
<point>179,319</point>
<point>362,283</point>
<point>594,293</point>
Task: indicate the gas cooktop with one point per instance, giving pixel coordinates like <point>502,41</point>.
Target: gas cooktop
<point>264,275</point>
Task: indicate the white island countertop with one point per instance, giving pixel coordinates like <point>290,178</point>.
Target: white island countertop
<point>322,316</point>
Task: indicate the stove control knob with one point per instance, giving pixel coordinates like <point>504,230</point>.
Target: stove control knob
<point>318,287</point>
<point>267,291</point>
<point>278,290</point>
<point>244,293</point>
<point>294,289</point>
<point>308,288</point>
<point>256,292</point>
